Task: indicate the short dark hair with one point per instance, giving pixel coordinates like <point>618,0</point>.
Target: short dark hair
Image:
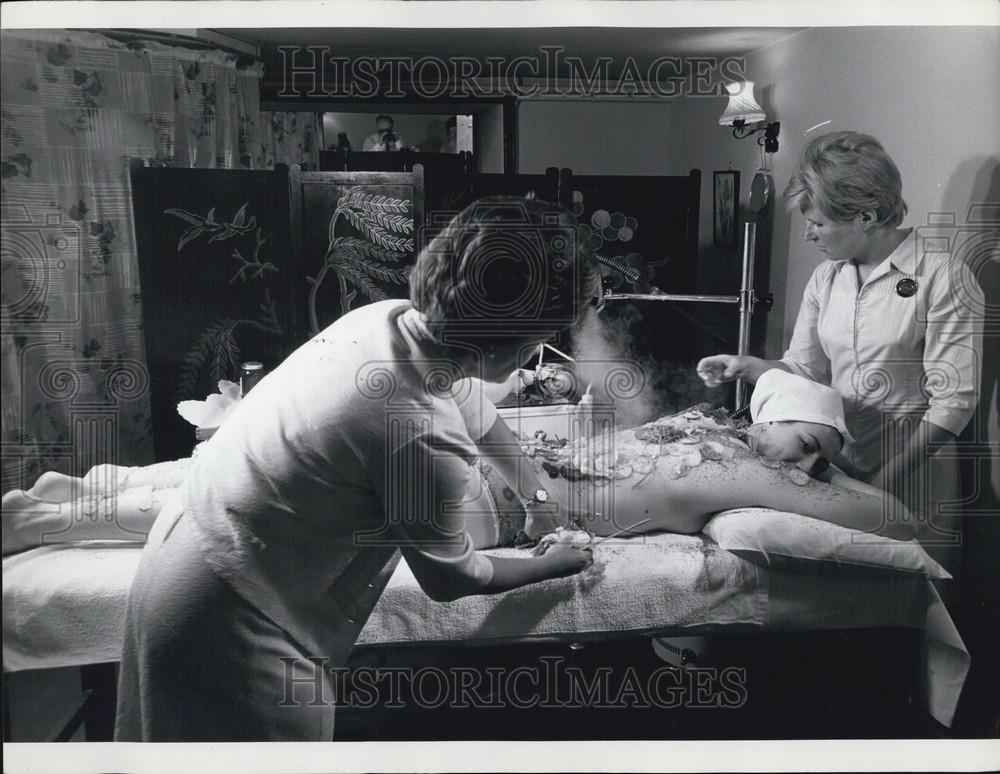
<point>385,118</point>
<point>451,123</point>
<point>504,271</point>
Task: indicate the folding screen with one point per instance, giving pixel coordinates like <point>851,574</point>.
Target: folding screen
<point>356,235</point>
<point>215,270</point>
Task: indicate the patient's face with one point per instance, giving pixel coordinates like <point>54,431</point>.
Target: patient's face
<point>804,444</point>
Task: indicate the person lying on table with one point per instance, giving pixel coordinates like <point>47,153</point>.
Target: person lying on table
<point>674,474</point>
<point>670,475</point>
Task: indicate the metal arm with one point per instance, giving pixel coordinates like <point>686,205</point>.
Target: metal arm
<point>747,301</point>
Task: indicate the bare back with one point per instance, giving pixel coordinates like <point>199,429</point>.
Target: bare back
<point>675,473</point>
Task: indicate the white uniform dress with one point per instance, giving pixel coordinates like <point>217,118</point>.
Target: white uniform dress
<point>278,545</point>
<point>905,346</point>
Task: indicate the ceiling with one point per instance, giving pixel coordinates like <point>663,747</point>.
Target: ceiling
<point>643,45</point>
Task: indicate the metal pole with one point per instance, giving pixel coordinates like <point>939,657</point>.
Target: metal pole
<point>746,305</point>
<point>671,297</point>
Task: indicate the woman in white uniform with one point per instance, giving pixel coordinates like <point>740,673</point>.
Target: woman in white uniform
<point>895,328</point>
<point>260,573</point>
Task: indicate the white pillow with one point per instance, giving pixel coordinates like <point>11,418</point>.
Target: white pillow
<point>778,539</point>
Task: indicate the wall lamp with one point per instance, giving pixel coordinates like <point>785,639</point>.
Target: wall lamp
<point>743,110</point>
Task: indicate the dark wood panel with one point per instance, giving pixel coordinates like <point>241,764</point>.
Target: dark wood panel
<point>215,274</point>
<point>356,235</point>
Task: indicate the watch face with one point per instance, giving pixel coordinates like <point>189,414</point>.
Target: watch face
<point>906,287</point>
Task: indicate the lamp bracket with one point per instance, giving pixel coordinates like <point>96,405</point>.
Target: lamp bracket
<point>769,140</point>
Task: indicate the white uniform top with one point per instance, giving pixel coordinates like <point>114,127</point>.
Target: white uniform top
<point>890,354</point>
<point>335,459</point>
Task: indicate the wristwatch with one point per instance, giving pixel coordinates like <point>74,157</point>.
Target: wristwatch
<point>539,497</point>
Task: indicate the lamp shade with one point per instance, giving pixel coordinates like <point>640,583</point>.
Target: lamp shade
<point>742,106</point>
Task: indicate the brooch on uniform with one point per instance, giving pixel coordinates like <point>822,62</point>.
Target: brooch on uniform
<point>906,287</point>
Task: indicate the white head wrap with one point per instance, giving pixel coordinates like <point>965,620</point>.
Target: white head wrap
<point>780,396</point>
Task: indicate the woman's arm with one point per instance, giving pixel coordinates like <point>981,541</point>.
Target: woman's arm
<point>557,562</point>
<point>898,471</point>
<point>805,355</point>
<point>717,369</point>
<point>429,512</point>
<point>855,506</point>
<point>658,502</point>
<point>500,449</point>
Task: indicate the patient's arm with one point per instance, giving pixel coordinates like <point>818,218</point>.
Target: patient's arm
<point>843,501</point>
<point>837,477</point>
<point>685,504</point>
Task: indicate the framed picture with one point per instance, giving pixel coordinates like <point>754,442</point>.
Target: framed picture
<point>725,207</point>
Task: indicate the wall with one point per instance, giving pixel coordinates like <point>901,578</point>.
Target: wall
<point>594,137</point>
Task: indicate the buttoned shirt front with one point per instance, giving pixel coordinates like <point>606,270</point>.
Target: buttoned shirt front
<point>905,345</point>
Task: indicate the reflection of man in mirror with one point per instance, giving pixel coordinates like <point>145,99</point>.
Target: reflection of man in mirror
<point>384,138</point>
<point>450,145</point>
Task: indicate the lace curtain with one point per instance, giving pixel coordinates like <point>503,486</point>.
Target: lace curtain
<point>76,107</point>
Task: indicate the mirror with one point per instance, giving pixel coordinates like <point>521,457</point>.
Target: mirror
<point>760,193</point>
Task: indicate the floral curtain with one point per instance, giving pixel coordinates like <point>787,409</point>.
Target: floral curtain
<point>76,107</point>
<point>290,138</point>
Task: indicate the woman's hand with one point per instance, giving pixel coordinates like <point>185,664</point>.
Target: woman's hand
<point>562,560</point>
<point>717,369</point>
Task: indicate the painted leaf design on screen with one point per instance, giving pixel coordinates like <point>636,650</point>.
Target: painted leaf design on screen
<point>369,250</point>
<point>386,274</point>
<point>252,269</point>
<point>361,281</point>
<point>374,202</point>
<point>384,227</point>
<point>206,224</point>
<point>377,232</point>
<point>214,350</point>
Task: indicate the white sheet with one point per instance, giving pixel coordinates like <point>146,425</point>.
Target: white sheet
<point>65,605</point>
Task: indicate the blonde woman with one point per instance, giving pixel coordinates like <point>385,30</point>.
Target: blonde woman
<point>893,327</point>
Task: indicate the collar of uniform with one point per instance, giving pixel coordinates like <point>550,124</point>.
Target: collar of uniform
<point>902,259</point>
<point>425,353</point>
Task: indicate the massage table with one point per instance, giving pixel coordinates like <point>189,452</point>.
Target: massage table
<point>64,605</point>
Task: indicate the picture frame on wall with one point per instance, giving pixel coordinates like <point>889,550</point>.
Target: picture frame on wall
<point>725,207</point>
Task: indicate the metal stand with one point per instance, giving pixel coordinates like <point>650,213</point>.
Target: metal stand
<point>747,301</point>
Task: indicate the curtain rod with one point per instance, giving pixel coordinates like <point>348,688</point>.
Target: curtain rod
<point>173,38</point>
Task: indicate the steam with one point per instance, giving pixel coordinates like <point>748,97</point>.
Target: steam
<point>639,387</point>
